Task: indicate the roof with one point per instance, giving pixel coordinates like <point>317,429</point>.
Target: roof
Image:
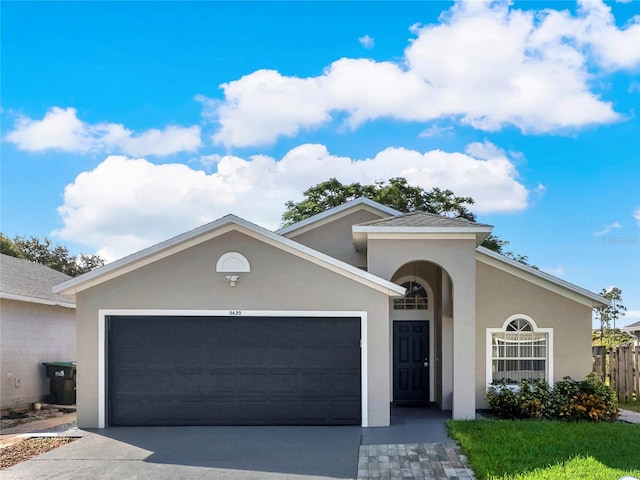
<point>27,281</point>
<point>419,223</point>
<point>540,278</point>
<point>361,202</point>
<point>632,328</point>
<point>424,219</point>
<point>210,231</point>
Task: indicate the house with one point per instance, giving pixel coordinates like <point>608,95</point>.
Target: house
<point>36,326</point>
<point>634,331</point>
<point>326,321</point>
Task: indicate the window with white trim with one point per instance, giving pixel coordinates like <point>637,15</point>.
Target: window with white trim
<point>519,351</point>
<point>415,298</point>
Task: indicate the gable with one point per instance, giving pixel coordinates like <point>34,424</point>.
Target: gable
<point>376,210</point>
<point>210,232</point>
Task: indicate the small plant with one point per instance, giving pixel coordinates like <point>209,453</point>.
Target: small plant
<point>589,399</point>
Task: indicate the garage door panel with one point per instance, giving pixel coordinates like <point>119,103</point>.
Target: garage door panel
<point>233,370</point>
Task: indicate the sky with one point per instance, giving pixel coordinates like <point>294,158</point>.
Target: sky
<point>126,123</point>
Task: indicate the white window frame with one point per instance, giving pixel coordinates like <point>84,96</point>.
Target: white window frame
<point>535,329</point>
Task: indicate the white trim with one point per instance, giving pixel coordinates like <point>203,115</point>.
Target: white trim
<point>213,230</point>
<point>102,337</point>
<point>385,231</point>
<point>503,329</point>
<point>540,278</point>
<point>363,233</point>
<point>233,262</point>
<point>102,369</point>
<point>335,213</point>
<point>40,301</point>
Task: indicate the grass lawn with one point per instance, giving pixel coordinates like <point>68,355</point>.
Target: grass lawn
<point>633,405</point>
<point>539,449</point>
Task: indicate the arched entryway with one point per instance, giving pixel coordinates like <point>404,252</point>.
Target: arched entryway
<point>420,340</point>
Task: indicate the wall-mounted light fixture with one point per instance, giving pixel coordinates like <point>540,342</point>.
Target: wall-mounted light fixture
<point>232,279</point>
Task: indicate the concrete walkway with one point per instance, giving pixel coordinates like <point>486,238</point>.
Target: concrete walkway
<point>629,416</point>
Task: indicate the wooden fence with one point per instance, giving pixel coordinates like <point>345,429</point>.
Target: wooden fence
<point>620,367</point>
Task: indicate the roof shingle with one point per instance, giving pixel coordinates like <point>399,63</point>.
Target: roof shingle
<point>23,278</point>
<point>423,219</point>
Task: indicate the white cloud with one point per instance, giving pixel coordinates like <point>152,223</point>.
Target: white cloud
<point>126,204</point>
<point>367,42</point>
<point>61,129</point>
<point>607,229</point>
<point>486,64</point>
<point>540,190</point>
<point>436,131</point>
<point>631,314</point>
<point>636,214</point>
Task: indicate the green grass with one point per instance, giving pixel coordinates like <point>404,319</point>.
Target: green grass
<point>632,405</point>
<point>548,450</point>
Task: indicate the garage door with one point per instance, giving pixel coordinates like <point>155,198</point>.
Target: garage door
<point>233,370</point>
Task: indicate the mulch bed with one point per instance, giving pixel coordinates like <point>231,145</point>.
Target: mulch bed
<point>29,448</point>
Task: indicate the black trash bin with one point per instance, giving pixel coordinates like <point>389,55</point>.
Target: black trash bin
<point>62,382</point>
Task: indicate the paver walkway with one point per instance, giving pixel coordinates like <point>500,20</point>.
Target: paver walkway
<point>436,461</point>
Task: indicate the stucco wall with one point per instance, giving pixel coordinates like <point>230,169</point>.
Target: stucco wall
<point>277,281</point>
<point>501,295</point>
<point>336,238</point>
<point>30,334</point>
<point>456,257</point>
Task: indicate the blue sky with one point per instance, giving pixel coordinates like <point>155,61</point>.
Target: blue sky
<point>126,123</point>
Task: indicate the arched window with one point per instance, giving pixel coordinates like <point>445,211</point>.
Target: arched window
<point>519,351</point>
<point>414,299</point>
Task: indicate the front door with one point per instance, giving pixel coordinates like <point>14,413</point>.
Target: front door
<point>410,362</point>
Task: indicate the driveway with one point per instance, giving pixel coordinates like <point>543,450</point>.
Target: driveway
<point>247,453</point>
<point>200,453</point>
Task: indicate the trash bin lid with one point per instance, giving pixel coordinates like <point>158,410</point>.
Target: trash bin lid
<point>60,364</point>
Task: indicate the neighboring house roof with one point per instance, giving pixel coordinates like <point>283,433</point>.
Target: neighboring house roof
<point>215,229</point>
<point>634,327</point>
<point>540,278</point>
<point>419,223</point>
<point>27,281</point>
<point>336,212</point>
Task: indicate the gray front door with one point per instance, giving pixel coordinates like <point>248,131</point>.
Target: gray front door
<point>233,370</point>
<point>410,362</point>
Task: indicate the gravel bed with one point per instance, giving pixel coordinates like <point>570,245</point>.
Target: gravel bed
<point>29,448</point>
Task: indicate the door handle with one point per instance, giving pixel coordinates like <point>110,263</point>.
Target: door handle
<point>425,364</point>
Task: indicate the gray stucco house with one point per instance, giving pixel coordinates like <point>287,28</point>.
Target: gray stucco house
<point>326,321</point>
<point>36,325</point>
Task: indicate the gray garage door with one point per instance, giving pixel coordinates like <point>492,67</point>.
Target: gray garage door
<point>233,370</point>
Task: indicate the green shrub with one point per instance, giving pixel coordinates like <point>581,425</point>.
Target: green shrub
<point>588,399</point>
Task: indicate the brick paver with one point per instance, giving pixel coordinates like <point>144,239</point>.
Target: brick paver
<point>437,461</point>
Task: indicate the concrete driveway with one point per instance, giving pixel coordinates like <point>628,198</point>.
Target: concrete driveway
<point>202,453</point>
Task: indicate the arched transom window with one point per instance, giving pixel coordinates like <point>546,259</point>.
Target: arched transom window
<point>414,299</point>
<point>519,351</point>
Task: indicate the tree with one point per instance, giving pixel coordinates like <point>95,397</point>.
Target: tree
<point>53,256</point>
<point>396,193</point>
<point>7,247</point>
<point>613,311</point>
